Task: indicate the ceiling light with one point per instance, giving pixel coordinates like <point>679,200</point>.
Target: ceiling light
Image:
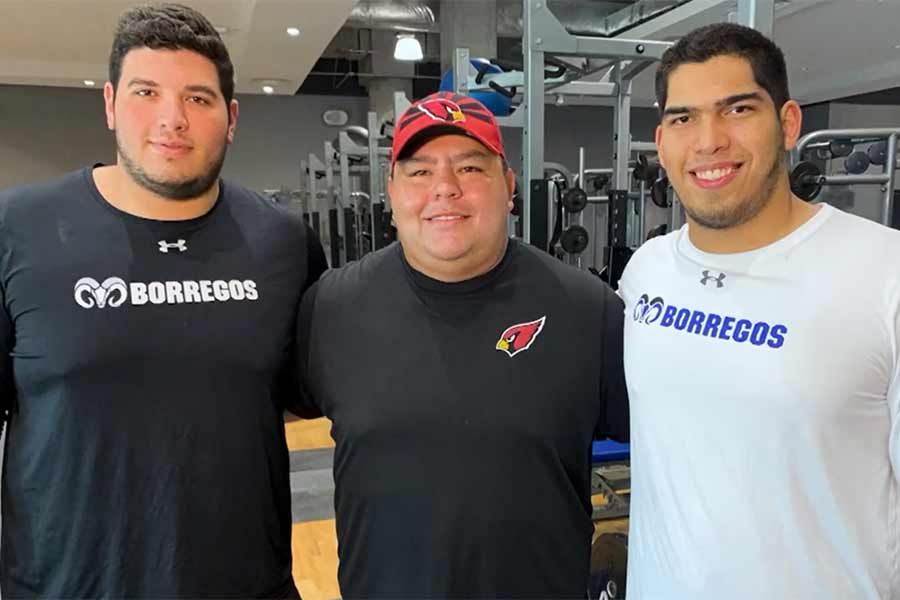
<point>269,85</point>
<point>293,31</point>
<point>407,48</point>
<point>90,82</point>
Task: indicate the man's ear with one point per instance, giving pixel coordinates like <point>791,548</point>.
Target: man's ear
<point>791,116</point>
<point>510,186</point>
<point>232,119</point>
<point>109,105</point>
<point>659,153</point>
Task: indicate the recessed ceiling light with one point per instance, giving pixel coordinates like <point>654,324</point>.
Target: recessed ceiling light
<point>268,89</point>
<point>897,47</point>
<point>293,31</point>
<point>90,82</point>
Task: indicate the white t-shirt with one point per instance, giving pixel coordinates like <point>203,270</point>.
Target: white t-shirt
<point>764,416</point>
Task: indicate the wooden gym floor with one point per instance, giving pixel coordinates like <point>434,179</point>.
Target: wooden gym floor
<point>314,543</point>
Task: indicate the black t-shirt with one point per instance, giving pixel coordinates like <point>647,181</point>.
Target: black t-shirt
<point>463,415</point>
<point>148,364</point>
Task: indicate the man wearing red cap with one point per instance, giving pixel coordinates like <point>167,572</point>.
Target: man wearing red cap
<point>466,375</point>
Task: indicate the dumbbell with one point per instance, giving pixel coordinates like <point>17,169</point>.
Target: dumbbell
<point>877,153</point>
<point>574,200</point>
<point>834,149</point>
<point>840,148</point>
<point>659,192</point>
<point>599,182</point>
<point>645,170</point>
<point>857,163</point>
<point>574,239</point>
<point>652,174</point>
<point>806,180</point>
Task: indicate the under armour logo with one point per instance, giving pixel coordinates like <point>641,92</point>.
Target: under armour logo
<point>164,246</point>
<point>719,279</point>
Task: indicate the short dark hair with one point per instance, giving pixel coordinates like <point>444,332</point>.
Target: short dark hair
<point>700,45</point>
<point>170,27</point>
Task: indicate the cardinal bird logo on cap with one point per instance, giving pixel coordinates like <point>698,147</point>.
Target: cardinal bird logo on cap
<point>441,109</point>
<point>519,338</point>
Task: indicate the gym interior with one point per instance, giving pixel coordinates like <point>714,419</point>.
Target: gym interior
<point>320,84</point>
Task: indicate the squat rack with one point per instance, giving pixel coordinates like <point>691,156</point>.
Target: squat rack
<point>854,136</point>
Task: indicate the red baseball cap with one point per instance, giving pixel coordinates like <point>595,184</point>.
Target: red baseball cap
<point>446,113</point>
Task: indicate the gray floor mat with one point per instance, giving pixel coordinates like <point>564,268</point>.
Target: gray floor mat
<point>312,485</point>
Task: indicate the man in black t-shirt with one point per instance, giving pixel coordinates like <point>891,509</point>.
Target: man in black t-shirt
<point>466,375</point>
<point>148,314</point>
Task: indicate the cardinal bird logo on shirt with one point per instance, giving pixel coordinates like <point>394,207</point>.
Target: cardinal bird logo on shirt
<point>441,109</point>
<point>519,338</point>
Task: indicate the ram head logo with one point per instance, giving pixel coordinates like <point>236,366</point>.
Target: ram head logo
<point>112,292</point>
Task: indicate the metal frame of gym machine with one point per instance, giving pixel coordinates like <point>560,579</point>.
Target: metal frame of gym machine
<point>377,200</point>
<point>343,237</point>
<point>544,35</point>
<point>331,237</point>
<point>886,178</point>
<point>310,203</point>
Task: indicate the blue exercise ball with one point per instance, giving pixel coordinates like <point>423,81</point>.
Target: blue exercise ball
<point>497,103</point>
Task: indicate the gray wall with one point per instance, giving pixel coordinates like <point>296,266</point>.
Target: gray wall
<point>45,132</point>
<point>816,117</point>
<point>568,127</point>
<point>275,132</point>
<point>855,116</point>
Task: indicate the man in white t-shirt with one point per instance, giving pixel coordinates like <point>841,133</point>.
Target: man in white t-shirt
<point>762,344</point>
